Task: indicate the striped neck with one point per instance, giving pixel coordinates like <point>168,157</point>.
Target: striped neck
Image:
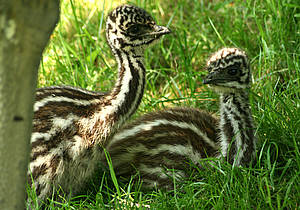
<point>119,104</point>
<point>237,130</point>
<point>129,89</point>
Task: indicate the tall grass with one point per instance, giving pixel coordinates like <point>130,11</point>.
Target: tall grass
<point>269,31</point>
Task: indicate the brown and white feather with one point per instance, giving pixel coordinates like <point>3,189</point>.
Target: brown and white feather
<point>71,125</point>
<point>173,137</point>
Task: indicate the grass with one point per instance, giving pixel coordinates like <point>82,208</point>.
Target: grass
<point>269,31</point>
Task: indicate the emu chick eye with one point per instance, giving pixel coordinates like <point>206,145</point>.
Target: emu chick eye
<point>137,29</point>
<point>232,71</point>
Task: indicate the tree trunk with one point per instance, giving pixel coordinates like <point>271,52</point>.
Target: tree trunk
<point>25,28</point>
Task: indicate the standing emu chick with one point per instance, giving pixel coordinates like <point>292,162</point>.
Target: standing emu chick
<point>71,125</point>
<point>173,137</point>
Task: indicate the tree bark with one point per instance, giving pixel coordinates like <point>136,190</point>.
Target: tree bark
<point>25,28</point>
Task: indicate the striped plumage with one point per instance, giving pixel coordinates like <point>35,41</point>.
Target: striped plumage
<point>173,137</point>
<point>163,139</point>
<point>230,76</point>
<point>71,125</point>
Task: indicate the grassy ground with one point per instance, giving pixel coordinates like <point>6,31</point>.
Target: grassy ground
<point>269,31</point>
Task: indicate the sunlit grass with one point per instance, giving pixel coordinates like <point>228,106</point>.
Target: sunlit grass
<point>269,31</point>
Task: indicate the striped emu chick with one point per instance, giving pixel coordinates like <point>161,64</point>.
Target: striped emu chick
<point>230,76</point>
<point>173,137</point>
<point>71,125</point>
